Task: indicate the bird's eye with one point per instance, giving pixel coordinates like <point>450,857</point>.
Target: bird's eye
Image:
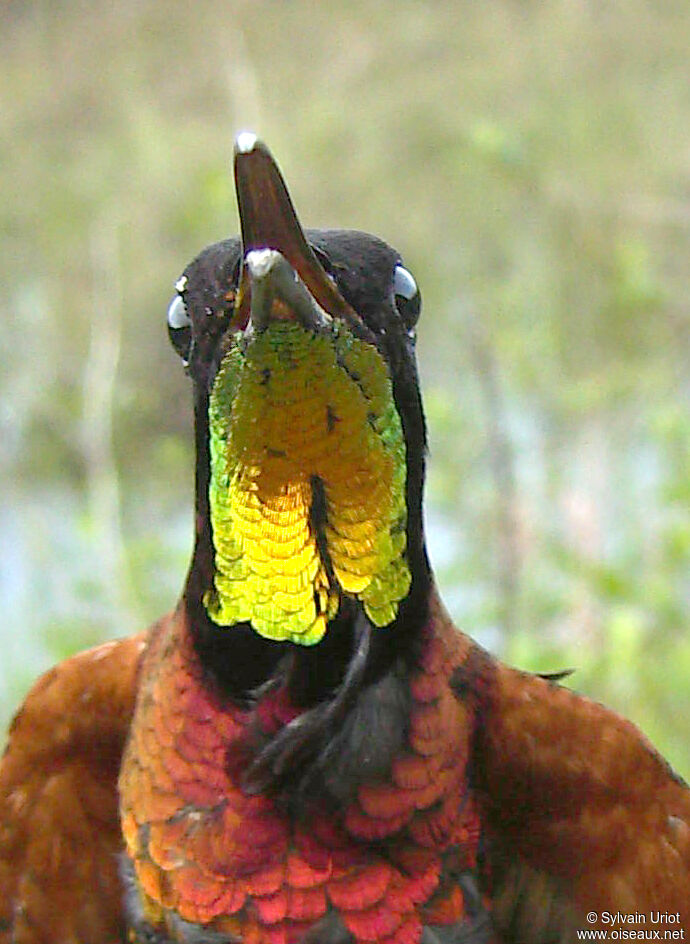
<point>408,299</point>
<point>180,327</point>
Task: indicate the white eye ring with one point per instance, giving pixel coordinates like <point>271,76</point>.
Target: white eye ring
<point>177,314</point>
<point>404,283</point>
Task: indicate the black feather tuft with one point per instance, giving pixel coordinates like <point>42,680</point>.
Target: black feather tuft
<point>556,676</point>
<point>334,746</point>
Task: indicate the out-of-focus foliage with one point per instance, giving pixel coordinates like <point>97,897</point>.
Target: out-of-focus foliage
<point>532,162</point>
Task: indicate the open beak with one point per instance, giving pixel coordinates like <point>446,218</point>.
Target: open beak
<point>281,276</point>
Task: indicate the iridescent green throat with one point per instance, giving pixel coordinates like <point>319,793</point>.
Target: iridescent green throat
<point>291,411</point>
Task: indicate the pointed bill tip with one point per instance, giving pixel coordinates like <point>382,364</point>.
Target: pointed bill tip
<point>268,222</point>
<point>245,142</point>
<point>249,150</point>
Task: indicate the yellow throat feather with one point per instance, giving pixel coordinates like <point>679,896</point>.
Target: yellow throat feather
<point>290,412</point>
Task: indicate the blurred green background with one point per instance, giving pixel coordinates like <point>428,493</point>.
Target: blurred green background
<point>531,161</point>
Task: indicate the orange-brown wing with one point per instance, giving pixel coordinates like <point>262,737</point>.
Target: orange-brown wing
<point>59,828</point>
<point>581,812</point>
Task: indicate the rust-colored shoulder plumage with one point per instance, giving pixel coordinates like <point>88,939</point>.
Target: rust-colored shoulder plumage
<point>59,828</point>
<point>580,813</point>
